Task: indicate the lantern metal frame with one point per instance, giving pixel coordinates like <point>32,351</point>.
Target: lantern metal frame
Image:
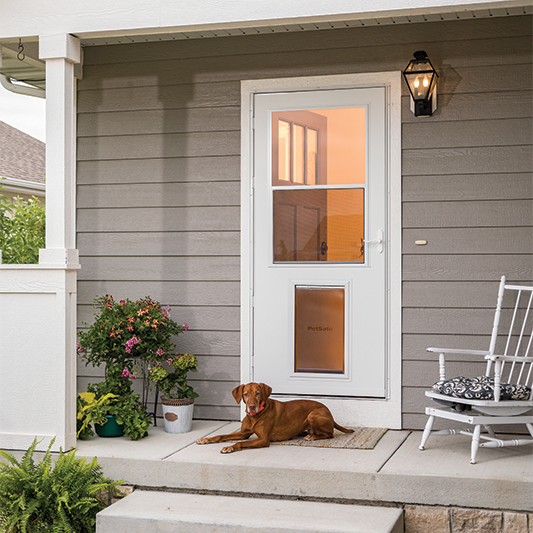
<point>423,102</point>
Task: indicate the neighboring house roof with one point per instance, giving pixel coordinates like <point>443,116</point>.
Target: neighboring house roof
<point>22,161</point>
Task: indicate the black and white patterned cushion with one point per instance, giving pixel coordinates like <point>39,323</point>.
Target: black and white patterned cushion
<point>480,388</point>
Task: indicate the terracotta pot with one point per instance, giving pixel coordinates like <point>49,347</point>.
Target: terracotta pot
<point>177,414</point>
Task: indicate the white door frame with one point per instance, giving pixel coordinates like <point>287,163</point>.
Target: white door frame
<point>357,412</point>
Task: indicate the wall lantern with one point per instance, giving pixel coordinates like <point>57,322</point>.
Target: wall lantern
<point>421,79</point>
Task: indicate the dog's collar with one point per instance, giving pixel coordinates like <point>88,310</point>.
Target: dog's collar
<point>261,407</point>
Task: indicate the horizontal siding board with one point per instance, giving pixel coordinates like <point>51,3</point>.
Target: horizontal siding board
<point>513,240</point>
<point>159,121</point>
<point>467,160</point>
<point>215,412</point>
<point>159,170</point>
<point>468,214</point>
<point>474,106</point>
<point>473,187</point>
<point>467,267</point>
<point>137,268</point>
<point>448,321</point>
<point>451,294</point>
<point>150,219</point>
<point>221,94</point>
<point>190,293</point>
<point>214,392</point>
<point>174,243</point>
<point>217,367</point>
<point>159,146</point>
<point>160,195</point>
<point>471,133</point>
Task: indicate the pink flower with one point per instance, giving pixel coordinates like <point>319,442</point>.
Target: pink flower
<point>131,319</point>
<point>185,326</point>
<point>169,360</point>
<point>122,303</point>
<point>160,352</point>
<point>125,373</point>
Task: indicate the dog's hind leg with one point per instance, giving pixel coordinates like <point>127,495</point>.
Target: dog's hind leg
<point>320,424</point>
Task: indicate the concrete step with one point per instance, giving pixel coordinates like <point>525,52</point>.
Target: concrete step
<point>165,512</point>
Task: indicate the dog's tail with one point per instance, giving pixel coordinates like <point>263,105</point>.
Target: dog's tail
<point>340,428</point>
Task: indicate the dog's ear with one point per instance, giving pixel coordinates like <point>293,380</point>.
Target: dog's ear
<point>237,393</point>
<point>267,390</point>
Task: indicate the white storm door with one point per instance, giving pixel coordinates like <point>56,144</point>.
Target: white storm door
<point>320,254</point>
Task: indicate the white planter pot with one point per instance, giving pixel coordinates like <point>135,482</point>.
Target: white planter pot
<point>177,414</point>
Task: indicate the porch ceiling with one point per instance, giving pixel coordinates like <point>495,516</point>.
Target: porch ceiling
<point>160,35</point>
<point>31,70</point>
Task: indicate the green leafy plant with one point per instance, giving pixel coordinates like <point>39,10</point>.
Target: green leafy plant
<point>125,336</point>
<point>22,230</point>
<point>126,407</point>
<point>173,383</point>
<point>126,332</point>
<point>92,410</point>
<point>60,498</point>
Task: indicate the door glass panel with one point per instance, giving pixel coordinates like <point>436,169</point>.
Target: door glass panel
<point>319,225</point>
<point>284,147</point>
<point>319,330</point>
<point>319,147</point>
<point>312,157</point>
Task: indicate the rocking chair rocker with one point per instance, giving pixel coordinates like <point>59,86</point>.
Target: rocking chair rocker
<point>504,395</point>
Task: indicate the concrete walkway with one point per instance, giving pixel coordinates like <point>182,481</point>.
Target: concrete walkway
<point>394,472</point>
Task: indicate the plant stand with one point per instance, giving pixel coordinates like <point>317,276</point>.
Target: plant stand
<point>177,414</point>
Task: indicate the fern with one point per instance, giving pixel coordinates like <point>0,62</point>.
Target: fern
<point>62,498</point>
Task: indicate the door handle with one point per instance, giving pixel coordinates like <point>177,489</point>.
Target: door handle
<point>378,241</point>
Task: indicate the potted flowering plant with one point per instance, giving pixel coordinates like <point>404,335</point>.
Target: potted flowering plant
<point>178,397</point>
<point>125,337</point>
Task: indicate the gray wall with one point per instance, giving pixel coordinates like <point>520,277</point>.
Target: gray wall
<point>158,182</point>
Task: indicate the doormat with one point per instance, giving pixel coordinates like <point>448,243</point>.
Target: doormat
<point>360,439</point>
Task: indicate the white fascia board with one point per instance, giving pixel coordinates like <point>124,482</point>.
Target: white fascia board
<point>121,17</point>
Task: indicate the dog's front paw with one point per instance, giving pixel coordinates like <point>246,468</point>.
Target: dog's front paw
<point>228,449</point>
<point>202,441</point>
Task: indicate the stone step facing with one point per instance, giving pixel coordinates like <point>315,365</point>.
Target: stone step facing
<point>170,512</point>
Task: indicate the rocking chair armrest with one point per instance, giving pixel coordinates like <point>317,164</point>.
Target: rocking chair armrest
<point>442,357</point>
<point>516,358</point>
<point>456,350</point>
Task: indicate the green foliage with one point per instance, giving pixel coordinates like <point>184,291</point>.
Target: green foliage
<point>22,230</point>
<point>92,410</point>
<point>59,499</point>
<point>173,383</point>
<point>124,336</point>
<point>127,407</point>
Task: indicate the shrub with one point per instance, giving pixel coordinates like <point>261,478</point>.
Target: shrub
<point>63,498</point>
<point>22,230</point>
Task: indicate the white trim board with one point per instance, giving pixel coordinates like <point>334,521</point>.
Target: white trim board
<point>350,411</point>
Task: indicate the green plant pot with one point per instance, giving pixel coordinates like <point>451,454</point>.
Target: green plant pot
<point>110,428</point>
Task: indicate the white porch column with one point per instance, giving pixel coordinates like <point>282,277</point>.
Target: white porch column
<point>60,52</point>
<point>38,302</point>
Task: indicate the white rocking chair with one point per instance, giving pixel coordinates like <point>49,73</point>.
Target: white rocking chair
<point>504,395</point>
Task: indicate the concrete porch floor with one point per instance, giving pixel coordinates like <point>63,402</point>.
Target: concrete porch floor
<point>394,472</point>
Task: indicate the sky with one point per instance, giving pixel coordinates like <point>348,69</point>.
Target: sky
<point>26,113</point>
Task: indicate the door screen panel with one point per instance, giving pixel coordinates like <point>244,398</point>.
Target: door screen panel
<point>318,225</point>
<point>319,330</point>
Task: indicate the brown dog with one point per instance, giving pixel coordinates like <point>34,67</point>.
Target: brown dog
<point>273,421</point>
